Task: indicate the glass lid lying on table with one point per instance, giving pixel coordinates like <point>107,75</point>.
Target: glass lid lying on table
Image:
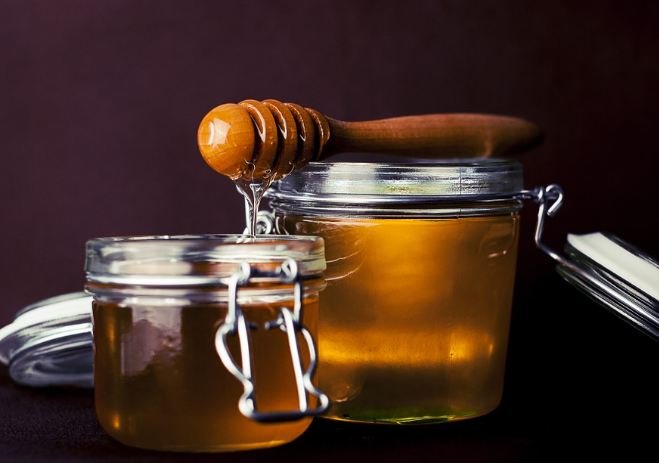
<point>49,343</point>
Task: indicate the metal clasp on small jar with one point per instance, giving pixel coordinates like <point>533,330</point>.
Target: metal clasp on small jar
<point>289,322</point>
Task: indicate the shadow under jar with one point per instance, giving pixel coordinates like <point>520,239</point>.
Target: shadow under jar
<point>421,258</point>
<point>205,343</point>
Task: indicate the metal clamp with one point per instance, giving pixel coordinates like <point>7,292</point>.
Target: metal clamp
<point>265,223</point>
<point>549,200</point>
<point>289,322</point>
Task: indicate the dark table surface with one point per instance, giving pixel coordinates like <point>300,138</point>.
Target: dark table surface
<point>60,425</point>
<point>586,388</point>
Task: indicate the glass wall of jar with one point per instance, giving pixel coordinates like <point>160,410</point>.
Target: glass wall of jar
<point>421,260</point>
<point>199,339</point>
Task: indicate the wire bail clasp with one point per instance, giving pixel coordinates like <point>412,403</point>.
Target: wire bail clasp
<point>549,200</point>
<point>289,322</point>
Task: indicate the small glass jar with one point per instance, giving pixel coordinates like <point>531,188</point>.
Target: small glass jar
<point>205,343</point>
<point>420,271</point>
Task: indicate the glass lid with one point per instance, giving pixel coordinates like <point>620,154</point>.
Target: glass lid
<point>49,343</point>
<point>618,276</point>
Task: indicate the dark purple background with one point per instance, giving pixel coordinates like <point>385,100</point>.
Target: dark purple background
<point>99,104</point>
<point>100,100</point>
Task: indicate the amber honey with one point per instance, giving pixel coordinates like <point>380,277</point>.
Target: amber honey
<point>414,321</point>
<point>160,383</point>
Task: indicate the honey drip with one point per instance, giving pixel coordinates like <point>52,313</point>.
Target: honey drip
<point>253,194</point>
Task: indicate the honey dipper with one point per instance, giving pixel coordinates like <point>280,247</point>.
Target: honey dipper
<point>256,141</point>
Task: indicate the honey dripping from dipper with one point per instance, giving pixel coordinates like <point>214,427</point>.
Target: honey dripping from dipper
<point>257,142</point>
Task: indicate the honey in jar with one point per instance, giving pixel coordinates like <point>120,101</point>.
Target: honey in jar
<point>162,312</point>
<point>413,324</point>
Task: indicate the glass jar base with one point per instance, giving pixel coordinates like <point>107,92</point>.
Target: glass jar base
<point>409,418</point>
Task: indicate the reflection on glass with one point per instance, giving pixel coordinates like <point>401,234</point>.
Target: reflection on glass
<point>414,321</point>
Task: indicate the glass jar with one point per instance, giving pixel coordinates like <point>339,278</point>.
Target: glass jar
<point>420,271</point>
<point>205,343</point>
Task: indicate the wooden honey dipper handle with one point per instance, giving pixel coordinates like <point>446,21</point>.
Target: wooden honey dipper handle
<point>436,135</point>
<point>256,140</point>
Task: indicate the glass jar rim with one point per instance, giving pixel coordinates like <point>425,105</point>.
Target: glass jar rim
<point>454,180</point>
<point>196,260</point>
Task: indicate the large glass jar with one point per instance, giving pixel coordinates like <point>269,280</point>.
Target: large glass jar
<point>421,259</point>
<point>205,343</point>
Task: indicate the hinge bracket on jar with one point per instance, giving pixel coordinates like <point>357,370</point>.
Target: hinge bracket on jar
<point>235,324</point>
<point>549,200</point>
<point>265,223</point>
